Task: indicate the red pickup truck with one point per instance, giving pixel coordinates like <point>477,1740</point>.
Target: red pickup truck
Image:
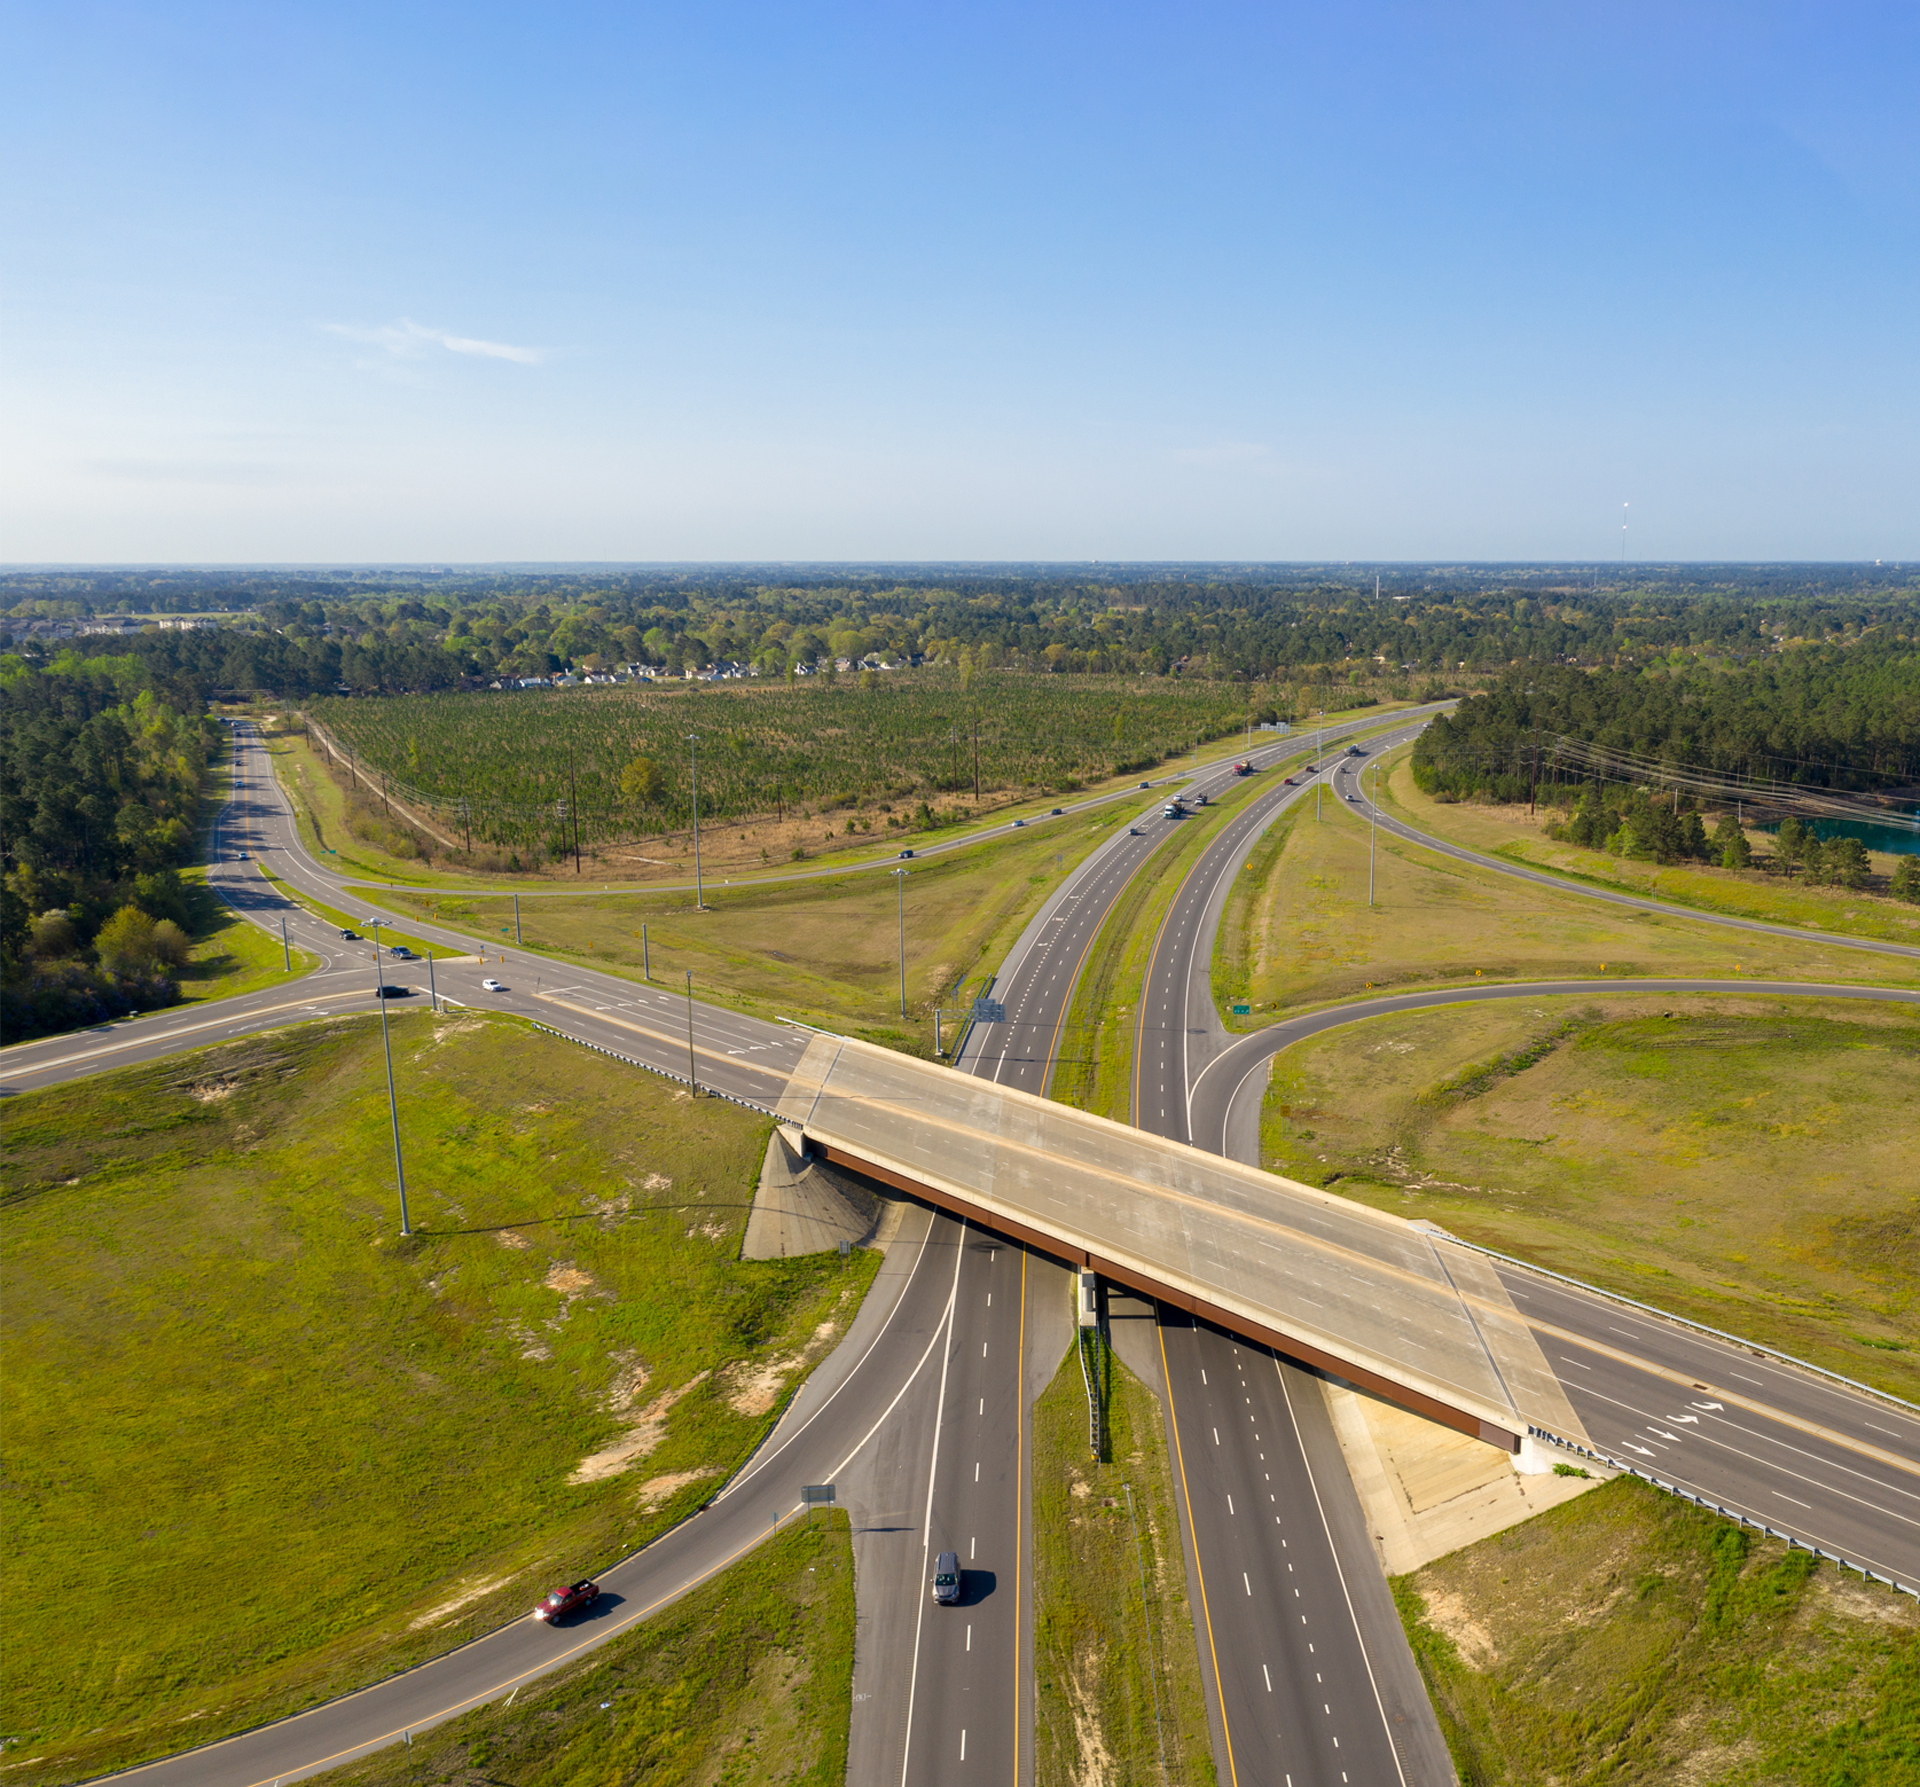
<point>564,1601</point>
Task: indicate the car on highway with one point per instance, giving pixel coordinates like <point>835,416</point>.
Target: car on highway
<point>1055,812</point>
<point>946,1578</point>
<point>493,986</point>
<point>1133,831</point>
<point>402,951</point>
<point>564,1601</point>
<point>1354,798</point>
<point>905,854</point>
<point>1019,822</point>
<point>1146,784</point>
<point>349,936</point>
<point>393,992</point>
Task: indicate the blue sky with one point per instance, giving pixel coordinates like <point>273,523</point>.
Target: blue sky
<point>402,282</point>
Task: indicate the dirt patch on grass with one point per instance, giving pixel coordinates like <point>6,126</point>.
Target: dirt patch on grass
<point>567,1279</point>
<point>644,1435</point>
<point>465,1598</point>
<point>656,1490</point>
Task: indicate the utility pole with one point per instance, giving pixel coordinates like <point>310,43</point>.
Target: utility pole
<point>693,1071</point>
<point>393,1104</point>
<point>900,880</point>
<point>286,949</point>
<point>1319,760</point>
<point>699,893</point>
<point>516,920</point>
<point>433,992</point>
<point>646,956</point>
<point>976,763</point>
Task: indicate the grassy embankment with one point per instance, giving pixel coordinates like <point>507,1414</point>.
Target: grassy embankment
<point>1116,1671</point>
<point>825,951</point>
<point>1508,832</point>
<point>1628,1637</point>
<point>274,1449</point>
<point>748,1681</point>
<point>1741,1160</point>
<point>1298,932</point>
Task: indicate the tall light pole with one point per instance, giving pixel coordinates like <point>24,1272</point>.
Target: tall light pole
<point>693,1072</point>
<point>900,881</point>
<point>699,895</point>
<point>393,1104</point>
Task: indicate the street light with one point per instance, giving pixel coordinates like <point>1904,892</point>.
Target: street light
<point>699,896</point>
<point>393,1104</point>
<point>900,881</point>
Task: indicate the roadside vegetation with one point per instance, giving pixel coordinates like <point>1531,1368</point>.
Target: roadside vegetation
<point>270,1449</point>
<point>1629,1637</point>
<point>1765,891</point>
<point>747,1681</point>
<point>1298,932</point>
<point>1741,1160</point>
<point>822,950</point>
<point>1117,1687</point>
<point>227,956</point>
<point>101,783</point>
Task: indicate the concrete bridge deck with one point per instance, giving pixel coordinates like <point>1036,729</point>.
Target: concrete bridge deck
<point>1358,1292</point>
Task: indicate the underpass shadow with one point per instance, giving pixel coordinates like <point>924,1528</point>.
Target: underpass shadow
<point>976,1586</point>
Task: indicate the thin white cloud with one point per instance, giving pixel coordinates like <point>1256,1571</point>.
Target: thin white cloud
<point>408,340</point>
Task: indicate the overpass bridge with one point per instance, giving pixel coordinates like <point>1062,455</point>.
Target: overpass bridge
<point>1357,1292</point>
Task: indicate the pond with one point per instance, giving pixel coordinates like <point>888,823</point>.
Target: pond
<point>1895,837</point>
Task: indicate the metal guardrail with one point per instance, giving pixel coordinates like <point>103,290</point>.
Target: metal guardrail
<point>1791,1540</point>
<point>679,1079</point>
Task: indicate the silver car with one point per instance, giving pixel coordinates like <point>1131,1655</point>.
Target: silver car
<point>946,1578</point>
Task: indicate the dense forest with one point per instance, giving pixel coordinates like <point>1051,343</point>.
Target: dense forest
<point>294,634</point>
<point>100,781</point>
<point>1835,717</point>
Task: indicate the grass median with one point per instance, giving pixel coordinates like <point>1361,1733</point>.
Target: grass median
<point>343,921</point>
<point>1743,1160</point>
<point>274,1449</point>
<point>748,1680</point>
<point>1117,1689</point>
<point>1629,1637</point>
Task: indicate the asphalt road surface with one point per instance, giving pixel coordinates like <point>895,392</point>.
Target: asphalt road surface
<point>1309,1674</point>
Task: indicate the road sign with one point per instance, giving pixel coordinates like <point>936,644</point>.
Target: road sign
<point>989,1011</point>
<point>1241,1011</point>
<point>817,1495</point>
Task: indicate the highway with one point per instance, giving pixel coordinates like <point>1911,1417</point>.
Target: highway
<point>1310,1677</point>
<point>938,1462</point>
<point>924,1457</point>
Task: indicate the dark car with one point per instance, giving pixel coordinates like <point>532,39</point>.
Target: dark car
<point>905,854</point>
<point>393,992</point>
<point>1146,784</point>
<point>946,1578</point>
<point>1055,812</point>
<point>349,936</point>
<point>564,1601</point>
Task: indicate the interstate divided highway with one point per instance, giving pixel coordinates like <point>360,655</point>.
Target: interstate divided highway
<point>950,1305</point>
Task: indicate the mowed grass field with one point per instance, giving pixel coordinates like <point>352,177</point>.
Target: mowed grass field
<point>825,951</point>
<point>1297,931</point>
<point>748,1681</point>
<point>1630,1638</point>
<point>1509,831</point>
<point>262,1449</point>
<point>1742,1160</point>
